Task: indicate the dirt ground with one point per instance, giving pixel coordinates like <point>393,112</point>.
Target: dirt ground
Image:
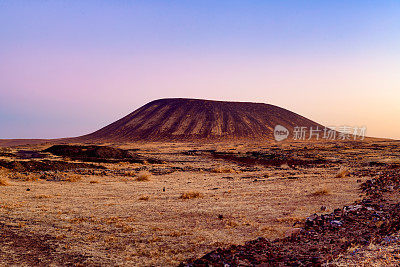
<point>197,198</point>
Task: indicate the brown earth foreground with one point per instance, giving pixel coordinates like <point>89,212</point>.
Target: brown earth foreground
<point>165,204</point>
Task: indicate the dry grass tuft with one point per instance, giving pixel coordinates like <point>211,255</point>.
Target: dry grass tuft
<point>4,181</point>
<point>290,219</point>
<point>4,174</point>
<point>321,192</point>
<point>223,170</point>
<point>190,195</point>
<point>343,172</point>
<point>24,176</point>
<point>143,177</point>
<point>231,224</point>
<point>353,248</point>
<point>5,149</point>
<point>144,198</point>
<point>72,178</point>
<point>130,173</point>
<point>285,166</point>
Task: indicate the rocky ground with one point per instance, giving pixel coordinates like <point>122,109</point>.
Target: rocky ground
<point>357,228</point>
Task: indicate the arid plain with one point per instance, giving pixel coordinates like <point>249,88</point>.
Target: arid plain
<point>169,203</point>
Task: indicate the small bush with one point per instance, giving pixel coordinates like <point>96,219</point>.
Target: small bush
<point>285,166</point>
<point>343,172</point>
<point>5,150</point>
<point>31,177</point>
<point>143,176</point>
<point>24,176</point>
<point>190,195</point>
<point>321,192</point>
<point>223,170</point>
<point>231,224</point>
<point>4,174</point>
<point>72,178</point>
<point>353,248</point>
<point>4,181</point>
<point>290,219</point>
<point>144,198</point>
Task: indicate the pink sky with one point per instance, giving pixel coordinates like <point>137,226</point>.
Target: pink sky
<point>69,70</point>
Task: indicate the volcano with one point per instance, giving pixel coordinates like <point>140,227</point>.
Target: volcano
<point>179,119</point>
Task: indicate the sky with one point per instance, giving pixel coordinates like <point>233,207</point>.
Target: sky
<point>68,68</point>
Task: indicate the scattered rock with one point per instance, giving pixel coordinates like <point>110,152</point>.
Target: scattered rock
<point>323,236</point>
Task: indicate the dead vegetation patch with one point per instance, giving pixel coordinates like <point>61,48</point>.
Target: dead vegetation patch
<point>4,181</point>
<point>321,192</point>
<point>145,198</point>
<point>343,172</point>
<point>223,170</point>
<point>143,177</point>
<point>190,195</point>
<point>73,178</point>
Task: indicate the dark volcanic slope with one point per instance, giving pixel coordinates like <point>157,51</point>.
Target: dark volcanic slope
<point>194,119</point>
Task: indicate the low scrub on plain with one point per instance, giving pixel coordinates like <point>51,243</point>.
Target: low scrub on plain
<point>72,178</point>
<point>321,192</point>
<point>223,170</point>
<point>143,177</point>
<point>343,172</point>
<point>145,198</point>
<point>4,181</point>
<point>190,195</point>
<point>4,174</point>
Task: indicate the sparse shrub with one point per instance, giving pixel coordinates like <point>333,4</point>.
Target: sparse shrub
<point>285,166</point>
<point>4,181</point>
<point>72,178</point>
<point>231,223</point>
<point>127,229</point>
<point>144,198</point>
<point>190,195</point>
<point>77,220</point>
<point>176,233</point>
<point>42,196</point>
<point>23,176</point>
<point>353,248</point>
<point>130,173</point>
<point>143,177</point>
<point>31,177</point>
<point>290,219</point>
<point>321,192</point>
<point>4,174</point>
<point>343,172</point>
<point>5,150</point>
<point>223,170</point>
